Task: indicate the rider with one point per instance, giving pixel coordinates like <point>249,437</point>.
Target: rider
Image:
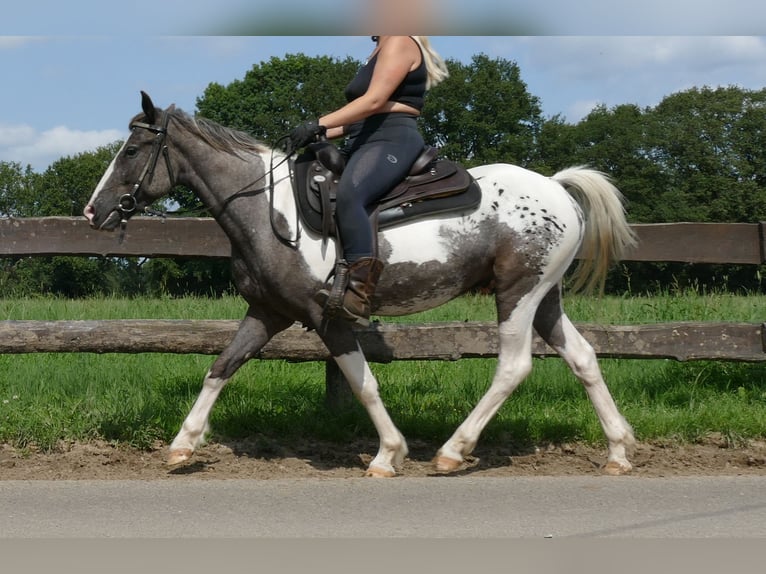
<point>384,100</point>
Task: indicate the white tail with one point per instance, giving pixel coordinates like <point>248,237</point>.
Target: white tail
<point>608,235</point>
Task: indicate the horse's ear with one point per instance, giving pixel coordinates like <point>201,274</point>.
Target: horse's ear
<point>148,107</point>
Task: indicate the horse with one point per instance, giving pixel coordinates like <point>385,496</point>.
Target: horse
<point>524,235</point>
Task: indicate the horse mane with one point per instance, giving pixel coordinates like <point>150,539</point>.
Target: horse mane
<point>219,137</point>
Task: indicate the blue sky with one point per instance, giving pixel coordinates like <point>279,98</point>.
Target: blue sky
<point>71,83</point>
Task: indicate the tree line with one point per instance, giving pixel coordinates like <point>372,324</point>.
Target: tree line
<point>698,156</point>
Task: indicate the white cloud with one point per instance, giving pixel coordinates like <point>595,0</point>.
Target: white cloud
<point>648,17</point>
<point>11,136</point>
<point>581,108</point>
<point>22,144</point>
<point>7,42</point>
<point>571,72</point>
<point>215,46</point>
<point>600,55</point>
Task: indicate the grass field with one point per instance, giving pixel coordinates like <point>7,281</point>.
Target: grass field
<point>139,399</point>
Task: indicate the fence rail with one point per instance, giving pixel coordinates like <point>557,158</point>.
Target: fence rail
<point>735,243</point>
<point>383,343</point>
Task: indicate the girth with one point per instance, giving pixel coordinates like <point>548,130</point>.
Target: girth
<point>433,186</point>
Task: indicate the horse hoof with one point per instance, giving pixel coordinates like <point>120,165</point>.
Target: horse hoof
<point>375,472</point>
<point>446,464</point>
<point>614,468</point>
<point>178,456</point>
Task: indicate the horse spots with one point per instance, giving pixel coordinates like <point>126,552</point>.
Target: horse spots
<point>554,223</point>
<point>495,206</point>
<point>538,226</point>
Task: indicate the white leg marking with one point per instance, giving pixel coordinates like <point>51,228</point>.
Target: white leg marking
<point>514,364</point>
<point>581,358</point>
<point>192,433</point>
<point>393,447</point>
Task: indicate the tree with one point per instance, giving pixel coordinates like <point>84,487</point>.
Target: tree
<point>483,113</point>
<point>277,95</point>
<point>63,189</point>
<point>556,146</point>
<point>615,141</point>
<point>16,188</point>
<point>709,145</point>
<point>697,156</point>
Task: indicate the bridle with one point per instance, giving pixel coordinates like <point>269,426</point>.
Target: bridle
<point>128,202</point>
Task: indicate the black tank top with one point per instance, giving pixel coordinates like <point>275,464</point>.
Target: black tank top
<point>410,92</point>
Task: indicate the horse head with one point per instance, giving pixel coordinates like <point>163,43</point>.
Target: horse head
<point>136,178</point>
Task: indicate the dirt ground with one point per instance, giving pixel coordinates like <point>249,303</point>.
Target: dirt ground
<point>263,458</point>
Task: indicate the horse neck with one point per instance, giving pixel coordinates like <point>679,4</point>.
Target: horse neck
<point>237,189</point>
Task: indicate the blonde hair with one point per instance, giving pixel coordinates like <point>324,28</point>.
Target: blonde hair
<point>436,68</point>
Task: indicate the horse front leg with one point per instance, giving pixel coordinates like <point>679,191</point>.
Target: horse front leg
<point>348,355</point>
<point>252,335</point>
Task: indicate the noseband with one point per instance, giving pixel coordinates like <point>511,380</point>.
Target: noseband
<point>128,202</point>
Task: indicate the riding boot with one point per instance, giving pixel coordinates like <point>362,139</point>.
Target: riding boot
<point>356,283</point>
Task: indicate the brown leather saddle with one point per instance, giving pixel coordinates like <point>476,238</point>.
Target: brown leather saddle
<point>433,186</point>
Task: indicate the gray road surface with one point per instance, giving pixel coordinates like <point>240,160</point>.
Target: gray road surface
<point>449,507</point>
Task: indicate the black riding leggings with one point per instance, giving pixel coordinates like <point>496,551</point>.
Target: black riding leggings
<point>380,152</point>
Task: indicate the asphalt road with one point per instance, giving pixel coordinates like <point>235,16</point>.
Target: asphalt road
<point>435,507</point>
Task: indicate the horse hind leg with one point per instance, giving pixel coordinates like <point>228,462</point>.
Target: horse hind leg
<point>513,366</point>
<point>252,335</point>
<point>553,325</point>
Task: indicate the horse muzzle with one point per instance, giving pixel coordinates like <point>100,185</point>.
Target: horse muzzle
<point>108,223</point>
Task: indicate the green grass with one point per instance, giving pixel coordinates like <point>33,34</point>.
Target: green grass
<point>142,399</point>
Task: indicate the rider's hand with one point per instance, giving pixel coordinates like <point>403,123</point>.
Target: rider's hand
<point>306,133</point>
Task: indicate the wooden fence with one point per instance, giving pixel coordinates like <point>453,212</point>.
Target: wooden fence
<point>741,243</point>
<point>735,243</point>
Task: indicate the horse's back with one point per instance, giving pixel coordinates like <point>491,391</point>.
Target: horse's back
<point>512,181</point>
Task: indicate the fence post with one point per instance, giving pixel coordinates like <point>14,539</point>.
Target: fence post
<point>338,393</point>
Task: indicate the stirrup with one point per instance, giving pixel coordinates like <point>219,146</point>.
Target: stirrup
<point>332,300</point>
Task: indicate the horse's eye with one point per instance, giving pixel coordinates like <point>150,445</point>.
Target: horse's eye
<point>132,151</point>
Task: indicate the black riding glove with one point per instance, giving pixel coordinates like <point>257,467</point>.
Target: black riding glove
<point>306,133</point>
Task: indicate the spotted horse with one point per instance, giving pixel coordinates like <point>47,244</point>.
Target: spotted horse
<point>523,235</point>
